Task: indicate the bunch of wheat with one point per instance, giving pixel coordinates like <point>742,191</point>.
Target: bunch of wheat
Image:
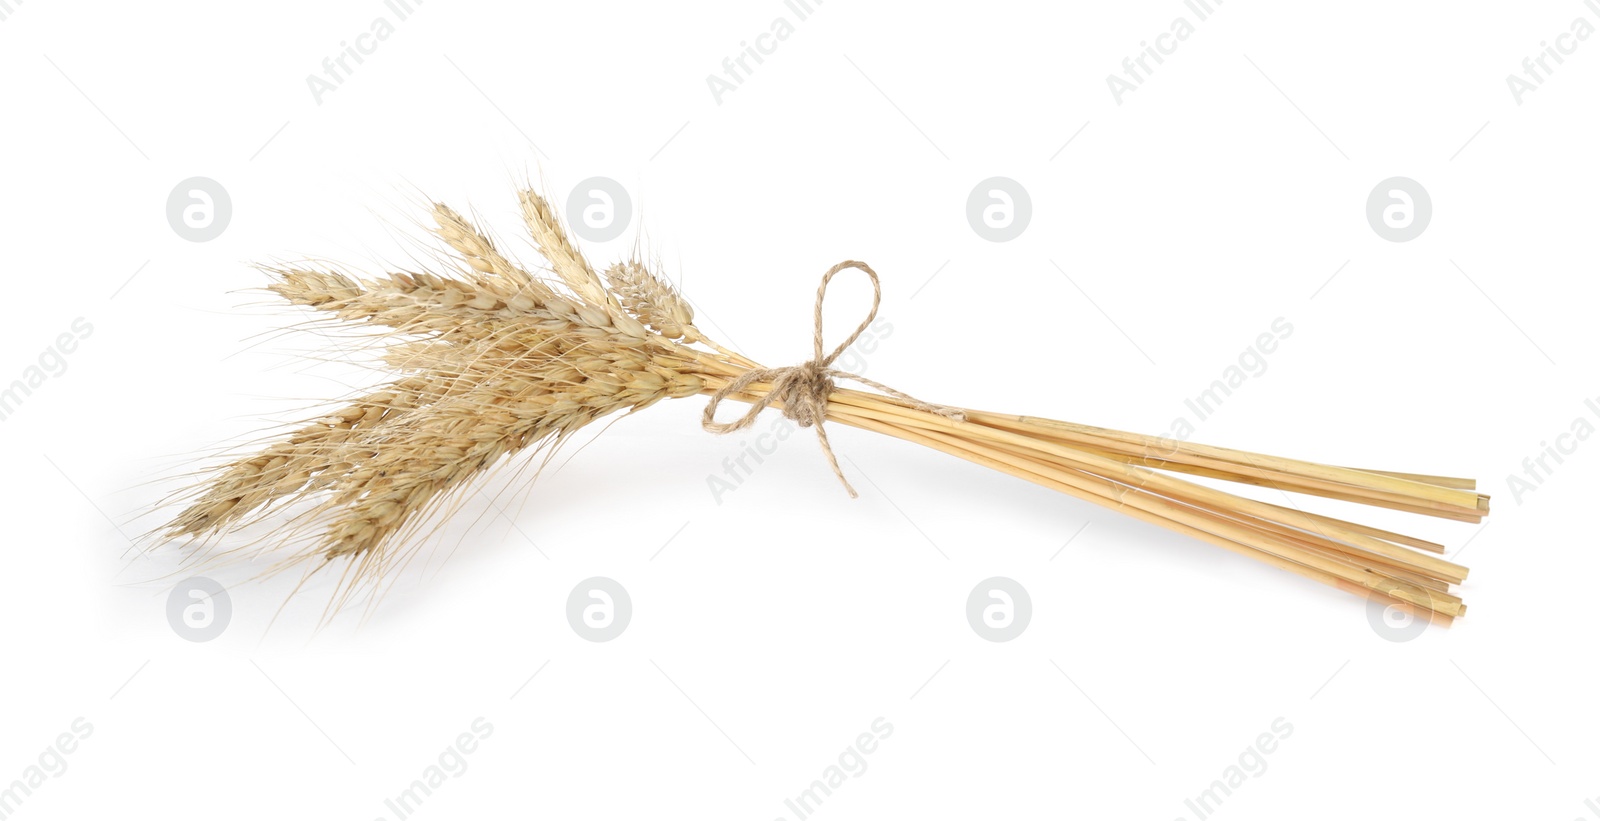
<point>490,360</point>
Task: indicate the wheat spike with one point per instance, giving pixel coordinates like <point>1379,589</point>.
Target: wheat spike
<point>551,239</point>
<point>649,298</point>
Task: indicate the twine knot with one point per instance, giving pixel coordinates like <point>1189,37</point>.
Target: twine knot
<point>804,389</point>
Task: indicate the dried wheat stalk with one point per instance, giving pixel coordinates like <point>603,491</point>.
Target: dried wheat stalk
<point>493,361</point>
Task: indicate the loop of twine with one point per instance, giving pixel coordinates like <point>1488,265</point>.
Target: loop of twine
<point>803,389</point>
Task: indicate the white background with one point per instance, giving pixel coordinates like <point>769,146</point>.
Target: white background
<point>771,629</point>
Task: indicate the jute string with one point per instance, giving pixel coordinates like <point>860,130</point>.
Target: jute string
<point>803,389</point>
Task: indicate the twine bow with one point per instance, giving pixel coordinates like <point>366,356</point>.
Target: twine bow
<point>803,389</point>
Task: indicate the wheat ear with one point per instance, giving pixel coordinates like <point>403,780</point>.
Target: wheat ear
<point>551,239</point>
<point>649,298</point>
